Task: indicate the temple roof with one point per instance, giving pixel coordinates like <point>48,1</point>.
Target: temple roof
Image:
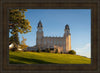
<point>40,24</point>
<point>67,26</point>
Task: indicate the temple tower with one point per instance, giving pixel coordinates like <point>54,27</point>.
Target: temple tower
<point>67,37</point>
<point>39,34</point>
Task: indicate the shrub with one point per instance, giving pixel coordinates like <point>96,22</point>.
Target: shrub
<point>49,50</point>
<point>46,50</point>
<point>56,51</point>
<point>72,52</point>
<point>23,46</point>
<point>61,52</point>
<point>39,50</point>
<point>24,50</point>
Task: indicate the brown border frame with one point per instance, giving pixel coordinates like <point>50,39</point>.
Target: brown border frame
<point>12,68</point>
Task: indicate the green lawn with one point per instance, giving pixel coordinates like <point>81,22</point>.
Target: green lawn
<point>45,58</point>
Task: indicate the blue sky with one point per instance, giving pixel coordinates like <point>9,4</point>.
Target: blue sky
<point>54,21</point>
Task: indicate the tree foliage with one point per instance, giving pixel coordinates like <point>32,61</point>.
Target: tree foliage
<point>23,41</point>
<point>11,39</point>
<point>17,21</point>
<point>14,39</point>
<point>72,52</point>
<point>23,44</point>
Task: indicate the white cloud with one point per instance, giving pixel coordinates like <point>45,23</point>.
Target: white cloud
<point>87,46</point>
<point>84,51</point>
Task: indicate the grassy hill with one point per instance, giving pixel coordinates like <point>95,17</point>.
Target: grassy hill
<point>46,58</point>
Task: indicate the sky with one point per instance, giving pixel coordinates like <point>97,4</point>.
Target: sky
<point>54,21</point>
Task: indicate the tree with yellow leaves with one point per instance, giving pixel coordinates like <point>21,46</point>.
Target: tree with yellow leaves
<point>23,44</point>
<point>18,23</point>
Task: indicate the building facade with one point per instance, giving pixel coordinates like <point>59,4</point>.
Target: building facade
<point>63,44</point>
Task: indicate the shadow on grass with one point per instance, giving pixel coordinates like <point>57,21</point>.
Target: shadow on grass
<point>14,62</point>
<point>31,61</point>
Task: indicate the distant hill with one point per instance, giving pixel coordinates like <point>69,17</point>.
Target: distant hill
<point>46,58</point>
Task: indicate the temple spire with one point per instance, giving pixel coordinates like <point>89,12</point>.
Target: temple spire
<point>40,24</point>
<point>67,27</point>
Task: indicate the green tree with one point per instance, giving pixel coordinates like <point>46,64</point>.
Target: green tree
<point>11,39</point>
<point>14,38</point>
<point>72,52</point>
<point>18,23</point>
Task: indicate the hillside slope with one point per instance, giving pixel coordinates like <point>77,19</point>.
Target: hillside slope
<point>45,58</point>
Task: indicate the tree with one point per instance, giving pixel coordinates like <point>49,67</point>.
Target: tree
<point>72,52</point>
<point>23,44</point>
<point>18,23</point>
<point>11,39</point>
<point>14,39</point>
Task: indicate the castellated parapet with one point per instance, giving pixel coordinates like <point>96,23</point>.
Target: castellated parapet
<point>63,44</point>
